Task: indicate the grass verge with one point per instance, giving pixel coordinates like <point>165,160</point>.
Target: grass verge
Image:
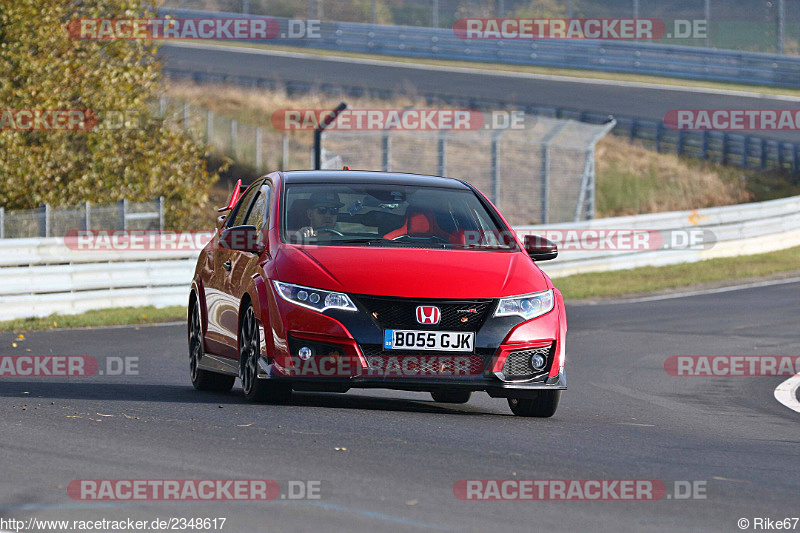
<point>100,317</point>
<point>622,283</point>
<point>704,274</point>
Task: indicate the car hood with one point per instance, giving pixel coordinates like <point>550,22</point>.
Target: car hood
<point>410,272</point>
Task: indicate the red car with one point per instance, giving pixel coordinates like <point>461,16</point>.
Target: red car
<point>329,280</point>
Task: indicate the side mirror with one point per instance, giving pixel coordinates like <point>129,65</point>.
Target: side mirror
<point>243,239</point>
<point>540,249</point>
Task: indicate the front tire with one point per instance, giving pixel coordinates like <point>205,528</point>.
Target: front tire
<point>544,405</point>
<point>451,396</point>
<point>203,379</point>
<point>255,389</point>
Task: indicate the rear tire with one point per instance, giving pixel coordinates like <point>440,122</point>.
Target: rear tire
<point>255,389</point>
<point>544,405</point>
<point>451,396</point>
<point>203,379</point>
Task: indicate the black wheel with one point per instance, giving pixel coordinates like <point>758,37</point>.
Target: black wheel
<point>543,406</point>
<point>256,390</point>
<point>203,379</point>
<point>451,396</point>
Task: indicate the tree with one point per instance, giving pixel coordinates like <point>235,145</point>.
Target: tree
<point>542,9</point>
<point>44,68</point>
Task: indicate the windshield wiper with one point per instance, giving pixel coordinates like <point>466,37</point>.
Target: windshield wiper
<point>361,240</point>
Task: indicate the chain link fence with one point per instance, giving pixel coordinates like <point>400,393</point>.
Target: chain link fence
<point>543,173</point>
<point>754,26</point>
<point>539,175</point>
<point>47,221</point>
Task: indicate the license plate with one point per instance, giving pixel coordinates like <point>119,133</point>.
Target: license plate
<point>443,341</point>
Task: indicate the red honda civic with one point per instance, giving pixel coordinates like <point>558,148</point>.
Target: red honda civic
<point>330,280</point>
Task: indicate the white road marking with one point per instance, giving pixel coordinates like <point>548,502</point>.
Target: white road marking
<point>486,72</point>
<point>786,393</point>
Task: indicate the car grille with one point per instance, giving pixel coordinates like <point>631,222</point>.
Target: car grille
<point>518,364</point>
<point>439,365</point>
<point>401,313</point>
<point>478,361</point>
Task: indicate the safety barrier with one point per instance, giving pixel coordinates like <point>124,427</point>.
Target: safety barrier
<point>43,276</point>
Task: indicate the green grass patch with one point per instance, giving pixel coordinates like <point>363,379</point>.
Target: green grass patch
<point>651,279</point>
<point>100,317</point>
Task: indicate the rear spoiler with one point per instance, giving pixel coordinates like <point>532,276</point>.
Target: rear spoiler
<point>238,189</point>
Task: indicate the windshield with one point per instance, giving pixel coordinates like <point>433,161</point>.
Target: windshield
<point>390,215</point>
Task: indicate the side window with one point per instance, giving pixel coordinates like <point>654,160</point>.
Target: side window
<point>237,216</point>
<point>256,217</point>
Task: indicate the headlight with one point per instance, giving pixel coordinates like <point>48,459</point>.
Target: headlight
<point>315,299</point>
<point>529,306</point>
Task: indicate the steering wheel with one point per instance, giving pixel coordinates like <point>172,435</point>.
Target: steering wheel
<point>331,231</point>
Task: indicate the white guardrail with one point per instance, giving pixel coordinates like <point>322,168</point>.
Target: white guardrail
<point>39,277</point>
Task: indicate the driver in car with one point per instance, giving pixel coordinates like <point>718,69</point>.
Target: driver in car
<point>322,214</point>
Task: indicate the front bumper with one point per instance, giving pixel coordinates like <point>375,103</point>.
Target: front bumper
<point>353,336</point>
<point>491,385</point>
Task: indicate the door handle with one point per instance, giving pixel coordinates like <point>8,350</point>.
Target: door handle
<point>227,266</point>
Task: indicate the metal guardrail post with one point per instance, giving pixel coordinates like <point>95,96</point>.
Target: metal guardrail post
<point>44,220</point>
<point>435,14</point>
<point>258,150</point>
<point>2,222</point>
<point>796,158</point>
<point>545,170</point>
<point>705,144</point>
<point>160,204</point>
<point>185,116</point>
<point>209,125</point>
<point>386,151</point>
<point>659,133</point>
<point>122,211</point>
<point>495,162</point>
<point>724,154</point>
<point>745,152</point>
<point>285,153</point>
<point>87,215</point>
<point>234,132</point>
<point>441,163</point>
<point>781,25</point>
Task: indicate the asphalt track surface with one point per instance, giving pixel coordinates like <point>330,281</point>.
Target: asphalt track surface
<point>623,417</point>
<point>631,100</point>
